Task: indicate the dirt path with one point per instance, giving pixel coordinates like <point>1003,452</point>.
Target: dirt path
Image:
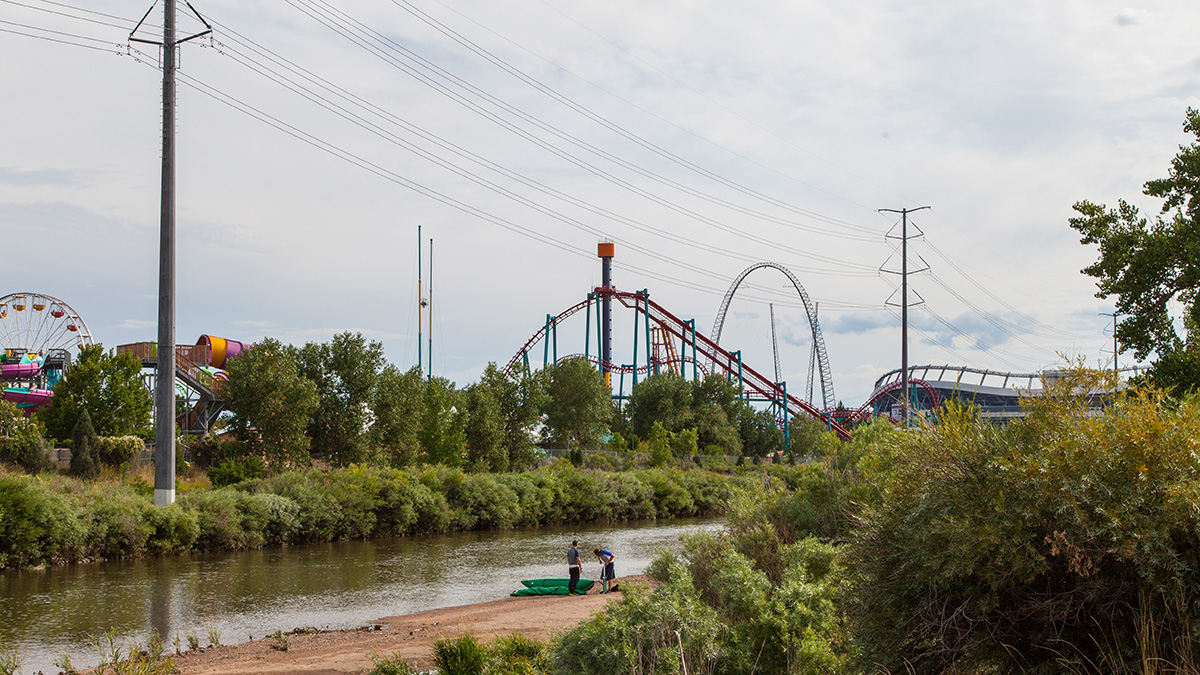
<point>413,635</point>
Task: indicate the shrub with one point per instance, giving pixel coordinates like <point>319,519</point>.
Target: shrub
<point>232,471</point>
<point>37,525</point>
<point>117,450</point>
<point>118,522</point>
<point>462,656</point>
<point>1069,540</point>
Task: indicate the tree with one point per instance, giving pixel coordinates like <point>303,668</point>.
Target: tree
<point>578,407</point>
<point>485,430</point>
<point>83,448</point>
<point>520,400</point>
<point>272,404</point>
<point>21,440</point>
<point>443,427</point>
<point>1148,265</point>
<point>397,411</point>
<point>109,387</point>
<point>665,399</point>
<point>345,371</point>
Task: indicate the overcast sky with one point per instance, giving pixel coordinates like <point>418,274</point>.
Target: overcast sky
<point>702,137</point>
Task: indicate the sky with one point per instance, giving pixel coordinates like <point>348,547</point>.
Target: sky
<point>316,136</point>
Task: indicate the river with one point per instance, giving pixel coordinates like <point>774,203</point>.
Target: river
<point>247,595</point>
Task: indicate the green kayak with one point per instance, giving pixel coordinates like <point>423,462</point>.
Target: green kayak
<point>583,586</point>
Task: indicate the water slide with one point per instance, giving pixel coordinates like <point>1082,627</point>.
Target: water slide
<point>221,350</point>
<point>27,399</point>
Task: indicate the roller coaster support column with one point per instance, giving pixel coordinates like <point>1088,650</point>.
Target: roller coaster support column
<point>551,336</point>
<point>741,382</point>
<point>787,440</point>
<point>633,387</point>
<point>587,334</point>
<point>606,251</point>
<point>692,325</point>
<point>645,293</point>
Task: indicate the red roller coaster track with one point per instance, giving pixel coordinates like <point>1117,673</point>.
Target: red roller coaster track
<point>752,380</point>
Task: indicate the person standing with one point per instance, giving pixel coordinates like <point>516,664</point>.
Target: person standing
<point>574,565</point>
<point>607,572</point>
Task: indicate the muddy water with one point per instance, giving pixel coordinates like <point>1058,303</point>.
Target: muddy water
<point>239,596</point>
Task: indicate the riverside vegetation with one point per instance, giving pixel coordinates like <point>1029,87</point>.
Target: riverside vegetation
<point>1067,542</point>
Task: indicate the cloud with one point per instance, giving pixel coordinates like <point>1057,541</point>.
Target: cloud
<point>58,178</point>
<point>1132,17</point>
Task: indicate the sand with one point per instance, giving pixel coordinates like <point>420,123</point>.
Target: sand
<point>412,636</point>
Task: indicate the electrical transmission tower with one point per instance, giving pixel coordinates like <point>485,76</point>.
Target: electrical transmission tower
<point>904,272</point>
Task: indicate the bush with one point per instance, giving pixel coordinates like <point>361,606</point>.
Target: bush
<point>116,450</point>
<point>462,656</point>
<point>83,444</point>
<point>233,471</point>
<point>1069,539</point>
<point>37,525</point>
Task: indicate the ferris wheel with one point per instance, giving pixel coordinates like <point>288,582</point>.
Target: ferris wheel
<point>38,323</point>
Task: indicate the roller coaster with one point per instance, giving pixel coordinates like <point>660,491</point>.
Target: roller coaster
<point>658,331</point>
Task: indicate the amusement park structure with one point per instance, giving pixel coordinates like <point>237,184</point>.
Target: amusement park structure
<point>659,331</point>
<point>199,378</point>
<point>38,335</point>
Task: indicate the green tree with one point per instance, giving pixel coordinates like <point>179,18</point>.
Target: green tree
<point>345,371</point>
<point>272,404</point>
<point>659,445</point>
<point>21,440</point>
<point>83,448</point>
<point>665,399</point>
<point>397,411</point>
<point>443,427</point>
<point>109,387</point>
<point>760,433</point>
<point>485,430</point>
<point>520,399</point>
<point>578,408</point>
<point>1147,265</point>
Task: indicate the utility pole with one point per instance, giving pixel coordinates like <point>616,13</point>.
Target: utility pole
<point>904,306</point>
<point>164,394</point>
<point>164,387</point>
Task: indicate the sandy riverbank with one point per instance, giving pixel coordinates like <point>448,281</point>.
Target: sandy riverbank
<point>412,635</point>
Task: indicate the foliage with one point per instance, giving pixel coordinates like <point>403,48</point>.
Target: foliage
<point>10,658</point>
<point>443,428</point>
<point>1052,545</point>
<point>232,471</point>
<point>84,446</point>
<point>272,404</point>
<point>520,400</point>
<point>754,599</point>
<point>460,656</point>
<point>109,387</point>
<point>21,440</point>
<point>578,408</point>
<point>61,519</point>
<point>484,430</point>
<point>397,410</point>
<point>1148,265</point>
<point>116,450</point>
<point>345,371</point>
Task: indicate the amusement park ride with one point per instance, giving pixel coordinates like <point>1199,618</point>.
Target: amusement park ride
<point>39,334</point>
<point>660,331</point>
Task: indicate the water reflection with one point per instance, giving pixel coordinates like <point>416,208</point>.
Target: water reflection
<point>334,585</point>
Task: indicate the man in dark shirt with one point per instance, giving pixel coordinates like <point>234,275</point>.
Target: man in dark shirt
<point>574,565</point>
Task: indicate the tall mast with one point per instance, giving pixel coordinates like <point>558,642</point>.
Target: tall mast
<point>420,302</point>
<point>431,308</point>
